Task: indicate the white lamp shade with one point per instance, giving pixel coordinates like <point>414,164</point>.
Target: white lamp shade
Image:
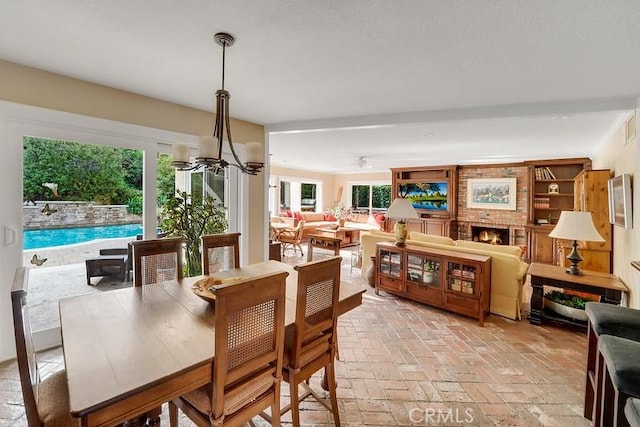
<point>181,153</point>
<point>207,147</point>
<point>254,152</point>
<point>401,209</point>
<point>574,225</point>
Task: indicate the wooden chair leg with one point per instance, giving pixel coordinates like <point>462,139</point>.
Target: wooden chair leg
<point>589,389</point>
<point>331,373</point>
<point>173,415</point>
<point>608,396</point>
<point>295,403</point>
<point>599,381</point>
<point>275,409</point>
<point>619,417</point>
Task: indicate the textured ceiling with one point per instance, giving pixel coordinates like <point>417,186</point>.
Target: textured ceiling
<point>386,73</point>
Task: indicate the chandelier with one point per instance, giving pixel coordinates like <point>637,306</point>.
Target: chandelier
<point>210,147</point>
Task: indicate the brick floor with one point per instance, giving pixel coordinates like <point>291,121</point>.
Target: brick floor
<point>404,363</point>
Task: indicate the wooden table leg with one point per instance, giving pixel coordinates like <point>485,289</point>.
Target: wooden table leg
<point>535,317</point>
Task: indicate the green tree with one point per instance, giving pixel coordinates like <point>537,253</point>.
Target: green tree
<point>182,218</point>
<point>81,171</point>
<point>166,180</point>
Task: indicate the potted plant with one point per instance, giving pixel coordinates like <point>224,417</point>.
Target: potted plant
<point>182,218</point>
<point>567,305</point>
<point>429,269</point>
<point>340,212</point>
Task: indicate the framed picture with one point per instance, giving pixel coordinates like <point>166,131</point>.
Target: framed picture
<point>620,201</point>
<point>491,193</point>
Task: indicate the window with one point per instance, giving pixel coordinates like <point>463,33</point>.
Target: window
<point>297,195</point>
<point>369,199</point>
<point>308,201</point>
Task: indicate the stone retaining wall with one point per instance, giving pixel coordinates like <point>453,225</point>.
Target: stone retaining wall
<point>74,214</point>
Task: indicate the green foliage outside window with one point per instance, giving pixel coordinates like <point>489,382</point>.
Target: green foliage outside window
<point>374,197</point>
<point>90,173</point>
<point>182,218</point>
<point>81,171</point>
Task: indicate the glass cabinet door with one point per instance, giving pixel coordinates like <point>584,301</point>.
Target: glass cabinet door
<point>390,263</point>
<point>461,278</point>
<point>423,270</point>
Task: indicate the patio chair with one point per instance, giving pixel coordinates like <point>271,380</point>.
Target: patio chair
<point>157,260</point>
<point>247,369</point>
<point>220,252</point>
<point>292,238</point>
<point>111,262</point>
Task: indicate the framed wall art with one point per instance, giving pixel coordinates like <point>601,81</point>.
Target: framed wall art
<point>620,201</point>
<point>491,193</point>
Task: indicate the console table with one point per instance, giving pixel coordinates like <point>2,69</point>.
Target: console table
<point>605,285</point>
<point>455,281</point>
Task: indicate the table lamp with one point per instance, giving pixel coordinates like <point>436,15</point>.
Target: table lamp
<point>401,210</point>
<point>574,225</point>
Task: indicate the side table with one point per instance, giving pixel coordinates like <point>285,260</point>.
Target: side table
<point>607,286</point>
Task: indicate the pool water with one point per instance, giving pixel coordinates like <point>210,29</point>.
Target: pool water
<point>36,239</point>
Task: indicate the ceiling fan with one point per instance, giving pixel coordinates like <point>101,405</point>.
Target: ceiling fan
<point>362,163</point>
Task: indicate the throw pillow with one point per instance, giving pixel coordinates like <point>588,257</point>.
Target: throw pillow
<point>297,215</point>
<point>329,217</point>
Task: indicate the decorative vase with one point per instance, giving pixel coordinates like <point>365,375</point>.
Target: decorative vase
<point>400,232</point>
<point>370,274</point>
<point>341,222</point>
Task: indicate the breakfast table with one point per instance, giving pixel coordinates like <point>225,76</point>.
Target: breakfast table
<point>129,350</point>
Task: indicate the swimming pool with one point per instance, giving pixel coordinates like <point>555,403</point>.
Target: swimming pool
<point>36,239</point>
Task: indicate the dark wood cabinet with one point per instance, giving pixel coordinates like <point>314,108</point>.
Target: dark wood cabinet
<point>455,281</point>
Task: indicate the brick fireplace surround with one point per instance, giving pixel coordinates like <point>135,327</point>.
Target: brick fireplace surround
<point>513,222</point>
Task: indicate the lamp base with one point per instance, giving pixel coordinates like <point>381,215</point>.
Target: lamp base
<point>575,259</point>
<point>400,232</point>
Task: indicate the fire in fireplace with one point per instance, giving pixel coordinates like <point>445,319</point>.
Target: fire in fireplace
<point>491,235</point>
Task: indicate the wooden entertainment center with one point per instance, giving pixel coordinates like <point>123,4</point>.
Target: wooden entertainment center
<point>435,218</point>
<point>455,281</point>
<point>550,187</point>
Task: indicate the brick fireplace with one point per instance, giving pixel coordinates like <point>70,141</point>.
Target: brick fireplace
<point>490,234</point>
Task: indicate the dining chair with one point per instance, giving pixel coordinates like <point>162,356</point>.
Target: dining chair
<point>46,402</point>
<point>292,238</point>
<point>247,366</point>
<point>312,345</point>
<point>220,252</point>
<point>156,260</point>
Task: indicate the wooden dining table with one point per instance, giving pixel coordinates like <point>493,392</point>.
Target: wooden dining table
<point>127,351</point>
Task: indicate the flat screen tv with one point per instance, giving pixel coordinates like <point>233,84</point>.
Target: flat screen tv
<point>427,196</point>
<point>620,201</point>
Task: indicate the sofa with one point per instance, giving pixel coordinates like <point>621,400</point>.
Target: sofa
<point>314,220</point>
<point>508,271</point>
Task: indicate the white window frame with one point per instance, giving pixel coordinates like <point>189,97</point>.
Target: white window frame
<point>17,121</point>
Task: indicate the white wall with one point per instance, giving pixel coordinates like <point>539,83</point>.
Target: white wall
<point>621,157</point>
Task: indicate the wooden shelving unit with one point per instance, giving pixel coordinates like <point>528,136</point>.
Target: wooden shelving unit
<point>454,281</point>
<point>552,190</point>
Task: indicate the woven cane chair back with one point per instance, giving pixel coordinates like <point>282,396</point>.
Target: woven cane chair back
<point>157,260</point>
<point>220,252</point>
